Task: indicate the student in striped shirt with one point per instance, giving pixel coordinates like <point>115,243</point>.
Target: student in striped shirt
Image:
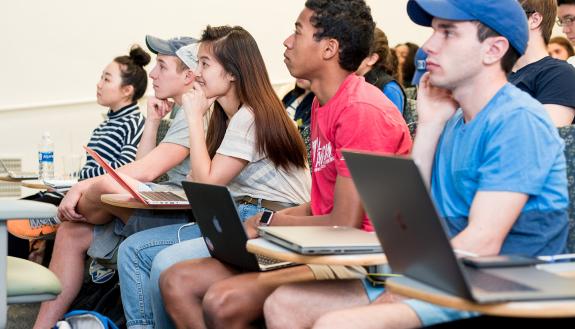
<point>122,84</point>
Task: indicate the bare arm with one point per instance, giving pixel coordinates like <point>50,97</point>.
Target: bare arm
<point>491,217</point>
<point>157,109</point>
<point>435,107</point>
<point>301,210</point>
<point>83,200</point>
<point>347,211</point>
<point>221,169</point>
<point>560,115</point>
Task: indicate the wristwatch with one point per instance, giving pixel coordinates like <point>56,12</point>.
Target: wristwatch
<point>266,218</point>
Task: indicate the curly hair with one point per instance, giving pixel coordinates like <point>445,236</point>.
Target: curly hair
<point>349,22</point>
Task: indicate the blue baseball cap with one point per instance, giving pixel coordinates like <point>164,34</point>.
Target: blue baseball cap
<point>420,66</point>
<point>505,17</point>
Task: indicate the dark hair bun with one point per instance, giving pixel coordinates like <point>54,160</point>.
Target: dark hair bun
<point>139,56</point>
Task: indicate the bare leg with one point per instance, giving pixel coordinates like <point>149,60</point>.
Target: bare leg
<point>184,285</point>
<point>311,300</point>
<point>238,301</point>
<point>376,316</point>
<point>72,242</point>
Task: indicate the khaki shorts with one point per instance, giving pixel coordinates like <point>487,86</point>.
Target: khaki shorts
<point>337,272</point>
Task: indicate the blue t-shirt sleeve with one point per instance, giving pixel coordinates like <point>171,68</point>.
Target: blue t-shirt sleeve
<point>520,152</point>
<point>393,91</point>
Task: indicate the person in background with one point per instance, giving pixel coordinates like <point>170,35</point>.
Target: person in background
<point>546,79</point>
<point>565,19</point>
<point>380,69</point>
<point>405,54</point>
<point>122,83</point>
<point>298,105</point>
<point>560,48</point>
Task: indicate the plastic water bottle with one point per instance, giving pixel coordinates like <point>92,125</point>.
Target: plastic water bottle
<point>46,157</point>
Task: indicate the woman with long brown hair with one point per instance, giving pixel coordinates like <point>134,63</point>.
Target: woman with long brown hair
<point>251,145</point>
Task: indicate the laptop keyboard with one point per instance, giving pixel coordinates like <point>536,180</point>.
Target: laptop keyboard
<point>493,283</point>
<point>162,196</point>
<point>264,260</point>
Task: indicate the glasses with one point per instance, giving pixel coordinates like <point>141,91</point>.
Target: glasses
<point>565,21</point>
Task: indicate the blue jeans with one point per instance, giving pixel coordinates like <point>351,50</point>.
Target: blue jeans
<point>139,268</point>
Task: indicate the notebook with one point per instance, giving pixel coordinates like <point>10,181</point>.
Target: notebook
<point>148,198</point>
<point>18,174</point>
<point>216,214</point>
<point>322,240</point>
<point>416,244</point>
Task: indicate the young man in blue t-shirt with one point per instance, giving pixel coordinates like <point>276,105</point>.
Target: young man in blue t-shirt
<point>492,157</point>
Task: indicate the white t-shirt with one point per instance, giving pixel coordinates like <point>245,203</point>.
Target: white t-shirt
<point>260,178</point>
<point>571,60</point>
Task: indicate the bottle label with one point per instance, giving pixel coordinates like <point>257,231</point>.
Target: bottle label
<point>46,156</point>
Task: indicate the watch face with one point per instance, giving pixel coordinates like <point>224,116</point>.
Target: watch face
<point>266,217</point>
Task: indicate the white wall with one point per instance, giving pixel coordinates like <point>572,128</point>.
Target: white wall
<point>52,53</point>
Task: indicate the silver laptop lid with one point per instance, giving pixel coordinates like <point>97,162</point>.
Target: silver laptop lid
<point>322,239</point>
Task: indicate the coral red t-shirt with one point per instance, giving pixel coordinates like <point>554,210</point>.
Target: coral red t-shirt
<point>357,117</point>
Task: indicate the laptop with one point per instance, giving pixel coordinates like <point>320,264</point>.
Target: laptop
<point>18,174</point>
<point>322,240</point>
<point>217,217</point>
<point>416,244</point>
<point>149,198</point>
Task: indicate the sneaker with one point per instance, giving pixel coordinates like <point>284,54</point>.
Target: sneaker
<point>100,273</point>
<point>34,228</point>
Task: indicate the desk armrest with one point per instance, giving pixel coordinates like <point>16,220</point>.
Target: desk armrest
<point>10,209</point>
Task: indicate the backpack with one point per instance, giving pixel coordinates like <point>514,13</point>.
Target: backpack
<point>103,298</point>
<point>85,320</point>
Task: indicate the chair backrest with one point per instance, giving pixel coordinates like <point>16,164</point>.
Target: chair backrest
<point>568,135</point>
<point>410,116</point>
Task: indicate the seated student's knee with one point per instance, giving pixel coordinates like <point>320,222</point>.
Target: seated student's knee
<point>77,234</point>
<point>175,283</point>
<point>329,321</point>
<point>275,308</point>
<point>223,302</point>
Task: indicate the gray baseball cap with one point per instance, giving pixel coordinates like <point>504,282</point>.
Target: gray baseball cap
<point>175,47</point>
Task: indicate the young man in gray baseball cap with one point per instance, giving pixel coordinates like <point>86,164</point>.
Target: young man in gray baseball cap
<point>489,152</point>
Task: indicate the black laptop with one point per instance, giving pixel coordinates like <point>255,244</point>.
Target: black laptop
<point>415,242</point>
<point>217,216</point>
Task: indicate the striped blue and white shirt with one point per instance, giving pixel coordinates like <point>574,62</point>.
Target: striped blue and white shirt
<point>116,140</point>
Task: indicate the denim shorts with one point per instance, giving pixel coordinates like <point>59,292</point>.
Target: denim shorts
<point>430,314</point>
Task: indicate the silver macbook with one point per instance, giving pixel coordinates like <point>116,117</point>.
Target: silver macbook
<point>416,244</point>
<point>18,174</point>
<point>216,214</point>
<point>318,240</point>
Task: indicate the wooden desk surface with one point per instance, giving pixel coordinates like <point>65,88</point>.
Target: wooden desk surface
<point>269,249</point>
<point>532,309</point>
<point>8,179</point>
<point>127,201</point>
<point>34,183</point>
